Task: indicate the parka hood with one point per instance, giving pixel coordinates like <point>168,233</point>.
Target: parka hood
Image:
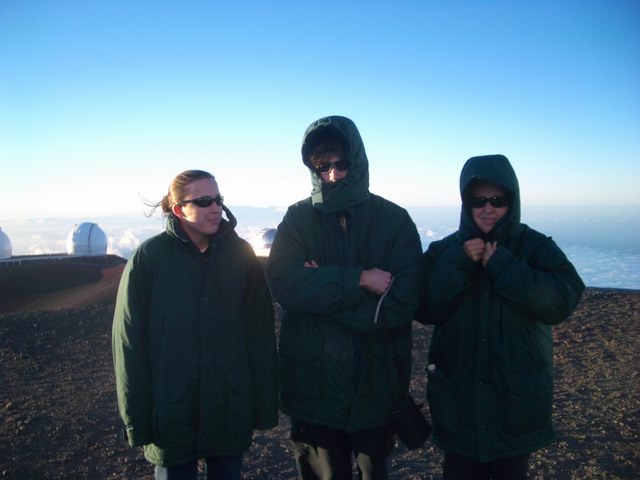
<point>494,169</point>
<point>354,188</point>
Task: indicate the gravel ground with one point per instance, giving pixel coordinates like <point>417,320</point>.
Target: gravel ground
<point>59,417</point>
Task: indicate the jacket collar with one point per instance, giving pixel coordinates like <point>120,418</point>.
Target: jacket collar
<point>227,228</point>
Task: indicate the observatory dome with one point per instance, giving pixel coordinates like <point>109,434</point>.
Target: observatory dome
<point>5,245</point>
<point>268,236</point>
<point>86,239</point>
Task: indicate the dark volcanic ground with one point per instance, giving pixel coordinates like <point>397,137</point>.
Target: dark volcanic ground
<point>59,418</point>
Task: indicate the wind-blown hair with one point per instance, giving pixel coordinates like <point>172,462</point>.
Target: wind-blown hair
<point>176,192</point>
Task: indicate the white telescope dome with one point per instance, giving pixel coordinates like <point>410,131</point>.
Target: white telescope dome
<point>5,245</point>
<point>87,239</point>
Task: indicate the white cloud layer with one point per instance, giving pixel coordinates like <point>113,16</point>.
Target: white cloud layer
<point>602,245</point>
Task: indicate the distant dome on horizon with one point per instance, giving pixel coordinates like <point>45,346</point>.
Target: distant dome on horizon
<point>5,245</point>
<point>87,239</point>
<point>268,236</point>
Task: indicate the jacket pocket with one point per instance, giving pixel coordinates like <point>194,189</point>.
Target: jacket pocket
<point>238,412</point>
<point>444,401</point>
<point>528,400</point>
<point>301,376</point>
<point>172,413</point>
<point>388,372</point>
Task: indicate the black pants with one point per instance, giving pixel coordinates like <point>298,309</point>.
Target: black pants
<point>458,467</point>
<point>324,453</point>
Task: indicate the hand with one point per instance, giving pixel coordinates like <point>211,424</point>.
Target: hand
<point>474,249</point>
<point>489,250</point>
<point>311,264</point>
<point>375,280</point>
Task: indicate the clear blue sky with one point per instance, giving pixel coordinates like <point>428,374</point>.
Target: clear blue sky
<point>103,101</point>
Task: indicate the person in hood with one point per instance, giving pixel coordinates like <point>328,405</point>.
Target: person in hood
<point>194,339</point>
<point>493,290</point>
<point>345,267</point>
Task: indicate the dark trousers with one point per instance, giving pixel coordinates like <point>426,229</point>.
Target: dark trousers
<point>218,468</point>
<point>458,467</point>
<point>324,453</point>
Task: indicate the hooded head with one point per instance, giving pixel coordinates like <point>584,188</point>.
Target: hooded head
<point>354,187</point>
<point>496,170</point>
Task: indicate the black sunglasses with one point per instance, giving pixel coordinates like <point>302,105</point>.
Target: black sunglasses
<point>495,201</point>
<point>204,202</point>
<point>325,167</point>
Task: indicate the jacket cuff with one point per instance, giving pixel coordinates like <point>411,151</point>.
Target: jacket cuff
<point>139,437</point>
<point>266,422</point>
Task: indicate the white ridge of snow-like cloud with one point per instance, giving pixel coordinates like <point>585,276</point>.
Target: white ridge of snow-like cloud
<point>124,244</point>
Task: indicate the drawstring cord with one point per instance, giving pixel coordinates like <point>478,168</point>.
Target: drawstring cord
<point>375,318</point>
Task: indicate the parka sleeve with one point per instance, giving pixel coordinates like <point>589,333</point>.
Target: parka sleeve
<point>324,290</point>
<point>129,345</point>
<point>400,303</point>
<point>545,287</point>
<point>261,346</point>
<point>334,291</point>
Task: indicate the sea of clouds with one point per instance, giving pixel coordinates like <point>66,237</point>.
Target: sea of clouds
<point>602,243</point>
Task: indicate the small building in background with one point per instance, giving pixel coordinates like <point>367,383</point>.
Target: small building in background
<point>87,239</point>
<point>5,246</point>
<point>267,237</point>
<point>86,243</point>
<point>261,243</point>
<point>25,279</point>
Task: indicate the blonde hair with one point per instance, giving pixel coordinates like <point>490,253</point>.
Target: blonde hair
<point>176,191</point>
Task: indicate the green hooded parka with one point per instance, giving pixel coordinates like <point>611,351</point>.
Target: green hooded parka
<point>490,378</point>
<point>194,346</point>
<point>336,367</point>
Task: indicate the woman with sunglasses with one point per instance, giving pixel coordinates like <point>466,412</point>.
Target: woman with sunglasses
<point>493,289</point>
<point>194,339</point>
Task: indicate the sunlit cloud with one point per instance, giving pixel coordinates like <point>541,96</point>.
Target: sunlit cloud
<point>601,247</point>
<point>124,244</point>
